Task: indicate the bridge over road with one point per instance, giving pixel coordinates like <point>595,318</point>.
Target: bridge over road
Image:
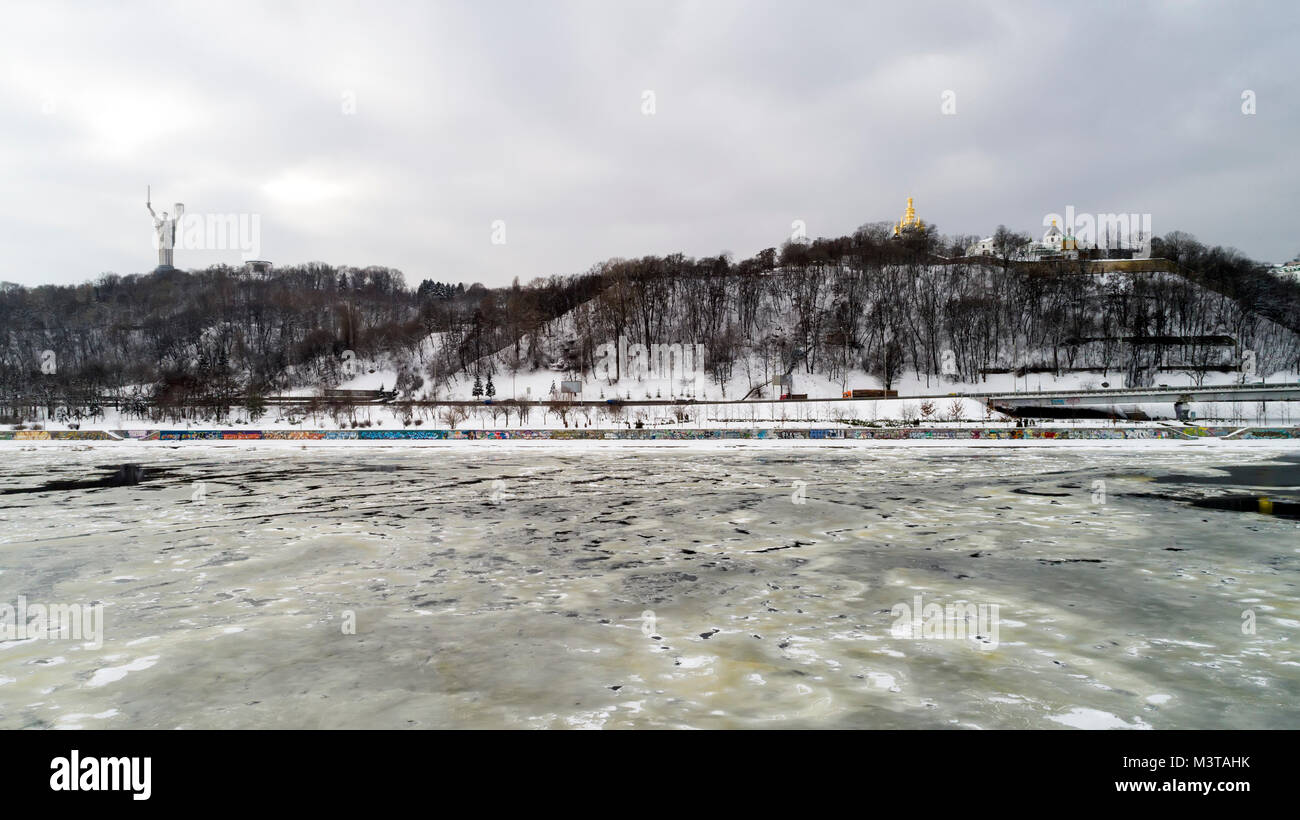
<point>1140,395</point>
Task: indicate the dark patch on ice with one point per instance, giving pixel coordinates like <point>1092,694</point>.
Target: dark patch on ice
<point>224,558</point>
<point>1286,474</point>
<point>655,587</point>
<point>1249,503</point>
<point>1281,507</point>
<point>434,602</point>
<point>122,475</point>
<point>795,545</point>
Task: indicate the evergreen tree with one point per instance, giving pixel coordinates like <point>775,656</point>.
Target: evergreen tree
<point>491,389</point>
<point>478,387</point>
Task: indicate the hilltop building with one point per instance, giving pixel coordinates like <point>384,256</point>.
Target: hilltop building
<point>909,224</point>
<point>258,268</point>
<point>1287,270</point>
<point>1058,244</point>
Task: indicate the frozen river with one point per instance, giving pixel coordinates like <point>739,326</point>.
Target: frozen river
<point>665,585</point>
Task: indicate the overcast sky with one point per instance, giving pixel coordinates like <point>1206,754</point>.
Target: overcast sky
<point>396,134</point>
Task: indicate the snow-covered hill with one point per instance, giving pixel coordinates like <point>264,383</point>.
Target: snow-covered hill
<point>836,329</point>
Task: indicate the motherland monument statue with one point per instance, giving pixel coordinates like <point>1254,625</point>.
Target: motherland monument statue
<point>165,231</point>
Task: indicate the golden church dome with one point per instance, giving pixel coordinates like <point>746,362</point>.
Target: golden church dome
<point>909,222</point>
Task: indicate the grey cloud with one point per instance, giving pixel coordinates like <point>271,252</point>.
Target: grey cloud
<point>531,113</point>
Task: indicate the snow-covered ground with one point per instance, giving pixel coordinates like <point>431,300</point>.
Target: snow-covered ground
<point>948,412</point>
<point>537,385</point>
<point>785,416</point>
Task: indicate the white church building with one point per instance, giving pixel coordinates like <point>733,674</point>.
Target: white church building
<point>1059,244</point>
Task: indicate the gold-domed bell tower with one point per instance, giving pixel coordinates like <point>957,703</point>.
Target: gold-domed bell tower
<point>909,222</point>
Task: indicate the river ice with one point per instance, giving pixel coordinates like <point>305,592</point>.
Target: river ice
<point>627,585</point>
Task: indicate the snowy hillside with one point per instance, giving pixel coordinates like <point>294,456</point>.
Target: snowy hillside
<point>816,319</point>
<point>916,330</point>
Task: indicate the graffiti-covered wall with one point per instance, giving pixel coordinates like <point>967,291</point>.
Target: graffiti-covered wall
<point>882,433</point>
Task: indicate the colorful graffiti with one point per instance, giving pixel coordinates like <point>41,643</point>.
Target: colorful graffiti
<point>854,433</point>
<point>402,434</point>
<point>137,435</point>
<point>1270,432</point>
<point>55,435</point>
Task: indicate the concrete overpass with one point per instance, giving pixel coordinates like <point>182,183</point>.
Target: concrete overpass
<point>1144,395</point>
